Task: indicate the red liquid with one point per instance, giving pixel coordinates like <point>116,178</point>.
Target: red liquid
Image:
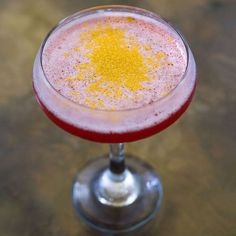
<point>116,137</point>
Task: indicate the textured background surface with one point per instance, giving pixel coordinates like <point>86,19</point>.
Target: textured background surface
<point>196,157</point>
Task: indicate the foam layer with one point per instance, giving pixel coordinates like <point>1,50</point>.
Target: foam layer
<point>115,61</point>
<point>60,57</point>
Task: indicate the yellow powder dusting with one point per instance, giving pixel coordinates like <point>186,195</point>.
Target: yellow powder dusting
<point>74,92</point>
<point>71,84</point>
<point>84,36</point>
<point>77,49</point>
<point>66,54</point>
<point>130,19</point>
<point>147,47</point>
<point>165,93</point>
<point>69,78</point>
<point>82,66</point>
<point>115,64</point>
<point>99,103</point>
<point>92,103</point>
<point>169,86</point>
<point>131,37</point>
<point>157,64</point>
<point>153,63</point>
<point>160,55</point>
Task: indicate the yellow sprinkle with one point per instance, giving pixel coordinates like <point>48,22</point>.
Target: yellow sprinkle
<point>169,86</point>
<point>87,54</point>
<point>74,92</point>
<point>83,66</point>
<point>160,55</point>
<point>130,37</point>
<point>157,64</point>
<point>150,60</point>
<point>95,95</point>
<point>76,67</point>
<point>71,84</point>
<point>117,93</point>
<point>153,63</point>
<point>99,103</point>
<point>90,103</point>
<point>147,47</point>
<point>84,36</point>
<point>130,19</point>
<point>165,93</point>
<point>152,76</point>
<point>66,54</point>
<point>134,44</point>
<point>69,78</point>
<point>77,49</point>
<point>93,103</point>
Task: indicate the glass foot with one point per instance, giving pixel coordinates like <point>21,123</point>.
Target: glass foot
<point>113,203</point>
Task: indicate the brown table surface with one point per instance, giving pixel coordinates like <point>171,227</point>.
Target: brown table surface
<point>195,157</point>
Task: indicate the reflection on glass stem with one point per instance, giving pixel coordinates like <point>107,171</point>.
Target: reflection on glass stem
<point>117,159</point>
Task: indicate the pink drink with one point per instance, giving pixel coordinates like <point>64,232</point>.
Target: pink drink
<point>114,76</point>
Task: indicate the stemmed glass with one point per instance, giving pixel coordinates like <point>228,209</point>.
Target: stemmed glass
<point>126,193</point>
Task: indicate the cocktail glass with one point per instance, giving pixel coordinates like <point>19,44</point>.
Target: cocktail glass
<point>126,193</point>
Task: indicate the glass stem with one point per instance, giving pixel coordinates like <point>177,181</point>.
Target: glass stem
<point>117,186</point>
<point>117,158</point>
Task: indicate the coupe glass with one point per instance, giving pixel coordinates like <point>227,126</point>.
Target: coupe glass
<point>115,193</point>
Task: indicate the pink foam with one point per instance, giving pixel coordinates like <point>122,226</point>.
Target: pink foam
<point>167,76</point>
<point>151,110</point>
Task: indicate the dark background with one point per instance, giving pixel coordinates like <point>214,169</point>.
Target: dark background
<point>195,157</point>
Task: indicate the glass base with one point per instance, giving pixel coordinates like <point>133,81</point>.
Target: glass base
<point>143,201</point>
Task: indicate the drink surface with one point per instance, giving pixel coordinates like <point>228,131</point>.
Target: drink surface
<point>114,74</point>
<point>114,61</point>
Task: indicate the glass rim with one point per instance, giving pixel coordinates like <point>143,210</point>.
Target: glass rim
<point>138,10</point>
